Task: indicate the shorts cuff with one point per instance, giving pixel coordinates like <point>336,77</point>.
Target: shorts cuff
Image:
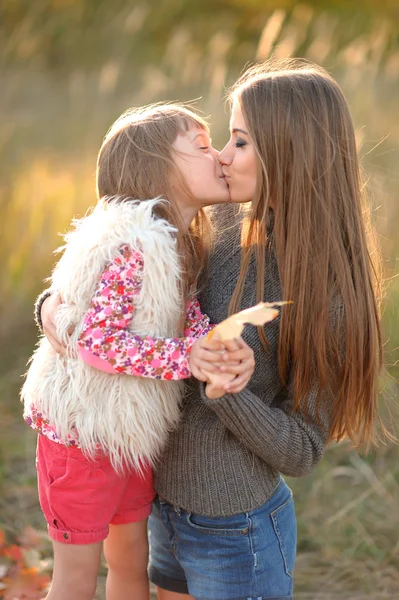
<point>77,537</point>
<point>167,583</point>
<point>132,516</point>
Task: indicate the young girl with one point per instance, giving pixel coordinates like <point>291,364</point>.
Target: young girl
<point>124,278</point>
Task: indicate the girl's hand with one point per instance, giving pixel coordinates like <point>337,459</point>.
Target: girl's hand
<point>49,309</point>
<point>238,360</point>
<point>205,357</point>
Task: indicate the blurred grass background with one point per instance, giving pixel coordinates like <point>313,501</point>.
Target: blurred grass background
<point>68,68</point>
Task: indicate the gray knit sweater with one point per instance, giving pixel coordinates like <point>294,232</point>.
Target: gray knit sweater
<point>226,455</point>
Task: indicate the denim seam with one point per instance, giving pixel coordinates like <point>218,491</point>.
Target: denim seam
<point>278,533</point>
<point>274,598</point>
<point>251,542</point>
<point>215,531</point>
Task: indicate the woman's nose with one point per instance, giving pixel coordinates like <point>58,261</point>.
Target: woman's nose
<point>224,156</point>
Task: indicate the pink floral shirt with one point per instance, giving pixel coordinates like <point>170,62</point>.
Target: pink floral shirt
<point>106,343</point>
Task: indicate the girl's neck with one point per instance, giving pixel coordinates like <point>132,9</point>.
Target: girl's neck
<point>187,214</point>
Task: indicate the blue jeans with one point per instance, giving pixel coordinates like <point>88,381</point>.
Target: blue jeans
<point>249,556</point>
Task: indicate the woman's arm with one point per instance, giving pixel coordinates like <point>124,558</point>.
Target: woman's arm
<point>290,442</point>
<point>46,307</point>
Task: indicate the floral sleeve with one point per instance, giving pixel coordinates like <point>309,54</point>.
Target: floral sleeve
<point>197,324</point>
<point>106,343</point>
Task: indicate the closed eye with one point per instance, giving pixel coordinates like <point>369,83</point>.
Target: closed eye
<point>240,143</point>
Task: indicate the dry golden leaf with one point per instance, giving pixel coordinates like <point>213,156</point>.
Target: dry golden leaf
<point>232,327</point>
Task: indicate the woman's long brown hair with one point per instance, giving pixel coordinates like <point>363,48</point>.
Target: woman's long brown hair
<point>308,174</point>
<point>136,162</point>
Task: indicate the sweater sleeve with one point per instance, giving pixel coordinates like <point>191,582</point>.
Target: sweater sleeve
<point>288,441</point>
<point>106,342</point>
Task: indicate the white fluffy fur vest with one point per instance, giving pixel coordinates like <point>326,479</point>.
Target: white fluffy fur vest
<point>126,417</point>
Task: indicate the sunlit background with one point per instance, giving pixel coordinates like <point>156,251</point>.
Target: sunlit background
<point>68,68</point>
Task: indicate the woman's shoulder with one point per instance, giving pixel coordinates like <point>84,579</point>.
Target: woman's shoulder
<point>224,216</point>
<point>226,221</point>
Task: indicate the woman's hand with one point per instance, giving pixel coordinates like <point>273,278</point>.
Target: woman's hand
<point>238,359</point>
<point>48,312</point>
<point>205,357</point>
<point>229,365</point>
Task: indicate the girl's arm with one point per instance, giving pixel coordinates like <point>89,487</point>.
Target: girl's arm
<point>290,442</point>
<point>106,343</point>
<point>197,324</point>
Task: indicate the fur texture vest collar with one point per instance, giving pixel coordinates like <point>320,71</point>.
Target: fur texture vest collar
<point>124,416</point>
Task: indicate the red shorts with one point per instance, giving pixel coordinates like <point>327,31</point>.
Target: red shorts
<point>80,497</point>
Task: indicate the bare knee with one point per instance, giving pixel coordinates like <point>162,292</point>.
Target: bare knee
<point>132,563</point>
<point>126,550</point>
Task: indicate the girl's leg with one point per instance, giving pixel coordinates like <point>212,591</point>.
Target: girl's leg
<point>75,571</point>
<point>166,595</point>
<point>126,552</point>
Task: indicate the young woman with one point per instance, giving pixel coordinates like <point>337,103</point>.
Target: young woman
<point>127,271</point>
<point>223,526</point>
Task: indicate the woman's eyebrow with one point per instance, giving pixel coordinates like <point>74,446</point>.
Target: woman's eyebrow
<point>236,130</point>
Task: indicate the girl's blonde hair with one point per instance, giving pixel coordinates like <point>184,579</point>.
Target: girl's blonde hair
<point>308,172</point>
<point>136,162</point>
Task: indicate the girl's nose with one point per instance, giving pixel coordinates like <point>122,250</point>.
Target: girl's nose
<point>224,156</point>
<point>214,152</point>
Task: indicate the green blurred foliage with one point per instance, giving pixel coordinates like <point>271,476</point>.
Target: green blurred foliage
<point>55,33</point>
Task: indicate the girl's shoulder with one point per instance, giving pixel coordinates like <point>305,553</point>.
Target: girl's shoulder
<point>116,212</point>
<point>113,222</point>
<point>95,240</point>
